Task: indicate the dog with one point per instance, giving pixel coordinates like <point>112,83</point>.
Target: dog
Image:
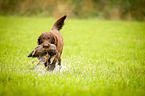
<point>53,37</point>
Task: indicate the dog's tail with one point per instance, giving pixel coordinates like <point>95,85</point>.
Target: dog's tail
<point>59,23</point>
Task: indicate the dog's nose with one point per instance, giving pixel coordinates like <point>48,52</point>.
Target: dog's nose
<point>45,45</point>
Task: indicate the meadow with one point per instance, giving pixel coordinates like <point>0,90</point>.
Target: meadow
<point>100,58</point>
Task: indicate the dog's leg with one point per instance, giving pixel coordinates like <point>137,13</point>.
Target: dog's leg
<point>51,59</point>
<point>52,65</point>
<point>47,63</point>
<point>59,63</point>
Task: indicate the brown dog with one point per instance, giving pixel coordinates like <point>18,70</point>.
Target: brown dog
<point>53,37</point>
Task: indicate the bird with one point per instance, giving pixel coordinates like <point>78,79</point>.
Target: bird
<point>37,52</point>
<point>44,55</point>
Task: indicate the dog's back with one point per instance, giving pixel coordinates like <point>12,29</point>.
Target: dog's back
<point>55,30</point>
<point>59,39</point>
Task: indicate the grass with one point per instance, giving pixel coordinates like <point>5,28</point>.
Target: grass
<point>100,58</point>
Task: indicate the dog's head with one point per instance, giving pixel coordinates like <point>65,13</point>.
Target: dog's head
<point>47,38</point>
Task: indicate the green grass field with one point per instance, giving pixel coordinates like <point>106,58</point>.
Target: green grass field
<point>99,58</point>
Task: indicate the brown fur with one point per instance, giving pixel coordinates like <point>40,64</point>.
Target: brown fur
<point>53,37</point>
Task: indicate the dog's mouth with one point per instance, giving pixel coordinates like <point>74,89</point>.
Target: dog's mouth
<point>46,49</point>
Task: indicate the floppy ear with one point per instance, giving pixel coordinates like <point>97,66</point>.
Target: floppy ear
<point>39,40</point>
<point>59,23</point>
<point>54,40</point>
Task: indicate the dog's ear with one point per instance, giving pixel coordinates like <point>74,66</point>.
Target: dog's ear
<point>54,40</point>
<point>39,40</point>
<point>59,23</point>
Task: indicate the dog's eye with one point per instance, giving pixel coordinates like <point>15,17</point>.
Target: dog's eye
<point>43,38</point>
<point>53,38</point>
<point>48,38</point>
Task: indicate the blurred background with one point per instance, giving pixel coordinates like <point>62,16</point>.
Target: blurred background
<point>101,9</point>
